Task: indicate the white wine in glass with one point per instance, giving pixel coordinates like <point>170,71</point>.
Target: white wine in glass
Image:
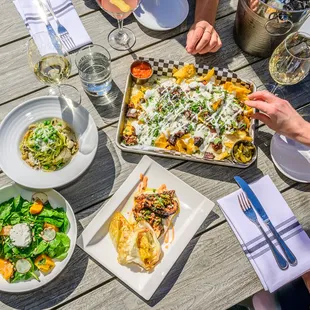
<point>52,69</point>
<point>120,38</point>
<point>290,62</point>
<point>49,61</point>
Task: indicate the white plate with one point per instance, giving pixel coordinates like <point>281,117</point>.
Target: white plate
<point>95,239</point>
<point>16,124</point>
<point>291,158</point>
<point>56,200</point>
<point>161,15</point>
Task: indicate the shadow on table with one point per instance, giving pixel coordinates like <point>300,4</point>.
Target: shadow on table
<point>57,290</point>
<point>96,183</point>
<point>92,4</point>
<point>109,105</point>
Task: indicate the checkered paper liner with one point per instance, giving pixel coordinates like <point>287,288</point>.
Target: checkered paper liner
<point>163,67</point>
<point>223,75</point>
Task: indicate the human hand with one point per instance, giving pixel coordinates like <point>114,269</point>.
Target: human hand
<point>279,115</point>
<point>202,38</point>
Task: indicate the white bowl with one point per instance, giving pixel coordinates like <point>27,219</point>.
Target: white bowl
<point>16,124</point>
<point>162,15</point>
<point>56,200</point>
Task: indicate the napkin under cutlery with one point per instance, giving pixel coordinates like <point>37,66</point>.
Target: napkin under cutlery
<point>253,242</point>
<point>65,12</point>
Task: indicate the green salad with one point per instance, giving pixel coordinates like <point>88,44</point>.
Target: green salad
<point>32,236</point>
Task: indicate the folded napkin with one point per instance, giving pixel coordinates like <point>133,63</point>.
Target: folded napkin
<point>254,244</point>
<point>65,12</point>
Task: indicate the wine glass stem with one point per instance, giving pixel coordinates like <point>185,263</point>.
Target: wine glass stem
<point>121,36</point>
<point>275,87</point>
<point>120,23</point>
<point>59,90</point>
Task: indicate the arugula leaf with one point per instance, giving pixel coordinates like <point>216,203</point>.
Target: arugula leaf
<point>57,223</point>
<point>58,248</point>
<point>14,218</point>
<point>21,277</point>
<point>18,202</point>
<point>65,225</point>
<point>47,212</point>
<point>40,248</point>
<point>25,207</point>
<point>5,210</point>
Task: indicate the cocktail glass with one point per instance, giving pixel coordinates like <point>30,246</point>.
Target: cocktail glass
<point>120,38</point>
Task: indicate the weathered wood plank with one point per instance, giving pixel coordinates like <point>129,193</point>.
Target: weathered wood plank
<point>12,27</point>
<point>106,113</point>
<point>201,177</point>
<point>107,172</point>
<point>14,61</point>
<point>212,272</point>
<point>111,167</point>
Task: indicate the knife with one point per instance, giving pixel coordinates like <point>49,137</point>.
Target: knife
<point>51,32</point>
<point>262,213</point>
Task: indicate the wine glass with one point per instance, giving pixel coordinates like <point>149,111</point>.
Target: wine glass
<point>120,38</point>
<point>290,61</point>
<point>49,60</point>
<point>290,64</point>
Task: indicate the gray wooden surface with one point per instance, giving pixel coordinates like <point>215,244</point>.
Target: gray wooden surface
<point>212,272</point>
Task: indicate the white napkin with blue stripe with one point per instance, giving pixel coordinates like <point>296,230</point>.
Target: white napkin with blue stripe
<point>254,244</point>
<point>65,12</point>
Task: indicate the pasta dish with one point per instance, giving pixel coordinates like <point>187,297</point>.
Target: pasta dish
<point>48,145</point>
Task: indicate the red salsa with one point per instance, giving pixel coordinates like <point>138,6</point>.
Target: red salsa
<point>141,70</point>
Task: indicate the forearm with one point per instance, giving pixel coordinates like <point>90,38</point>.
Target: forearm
<point>304,135</point>
<point>206,10</point>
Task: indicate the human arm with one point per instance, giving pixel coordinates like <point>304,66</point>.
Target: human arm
<point>280,116</point>
<point>202,37</point>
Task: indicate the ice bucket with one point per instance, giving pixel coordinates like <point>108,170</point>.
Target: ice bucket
<point>260,26</point>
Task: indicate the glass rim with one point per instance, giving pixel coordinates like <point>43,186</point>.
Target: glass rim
<point>289,36</point>
<point>89,46</point>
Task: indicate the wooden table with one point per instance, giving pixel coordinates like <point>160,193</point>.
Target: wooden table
<point>212,272</point>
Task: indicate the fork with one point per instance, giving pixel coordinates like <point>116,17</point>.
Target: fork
<point>62,31</point>
<point>251,215</point>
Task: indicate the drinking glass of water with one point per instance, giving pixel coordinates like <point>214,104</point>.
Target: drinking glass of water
<point>94,65</point>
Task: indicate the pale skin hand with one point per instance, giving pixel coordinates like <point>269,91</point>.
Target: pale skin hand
<point>280,116</point>
<point>202,38</point>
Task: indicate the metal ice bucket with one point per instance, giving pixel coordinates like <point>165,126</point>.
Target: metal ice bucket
<point>260,28</point>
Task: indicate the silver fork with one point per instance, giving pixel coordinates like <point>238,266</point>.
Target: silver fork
<point>251,215</point>
<point>62,31</point>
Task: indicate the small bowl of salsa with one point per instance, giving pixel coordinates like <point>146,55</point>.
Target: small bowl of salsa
<point>141,71</point>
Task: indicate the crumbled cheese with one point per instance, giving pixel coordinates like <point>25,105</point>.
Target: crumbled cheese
<point>20,235</point>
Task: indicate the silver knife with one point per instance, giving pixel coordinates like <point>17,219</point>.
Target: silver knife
<point>52,34</point>
<point>262,213</point>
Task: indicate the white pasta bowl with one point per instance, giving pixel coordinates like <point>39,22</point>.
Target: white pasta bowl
<point>16,123</point>
<point>57,201</point>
